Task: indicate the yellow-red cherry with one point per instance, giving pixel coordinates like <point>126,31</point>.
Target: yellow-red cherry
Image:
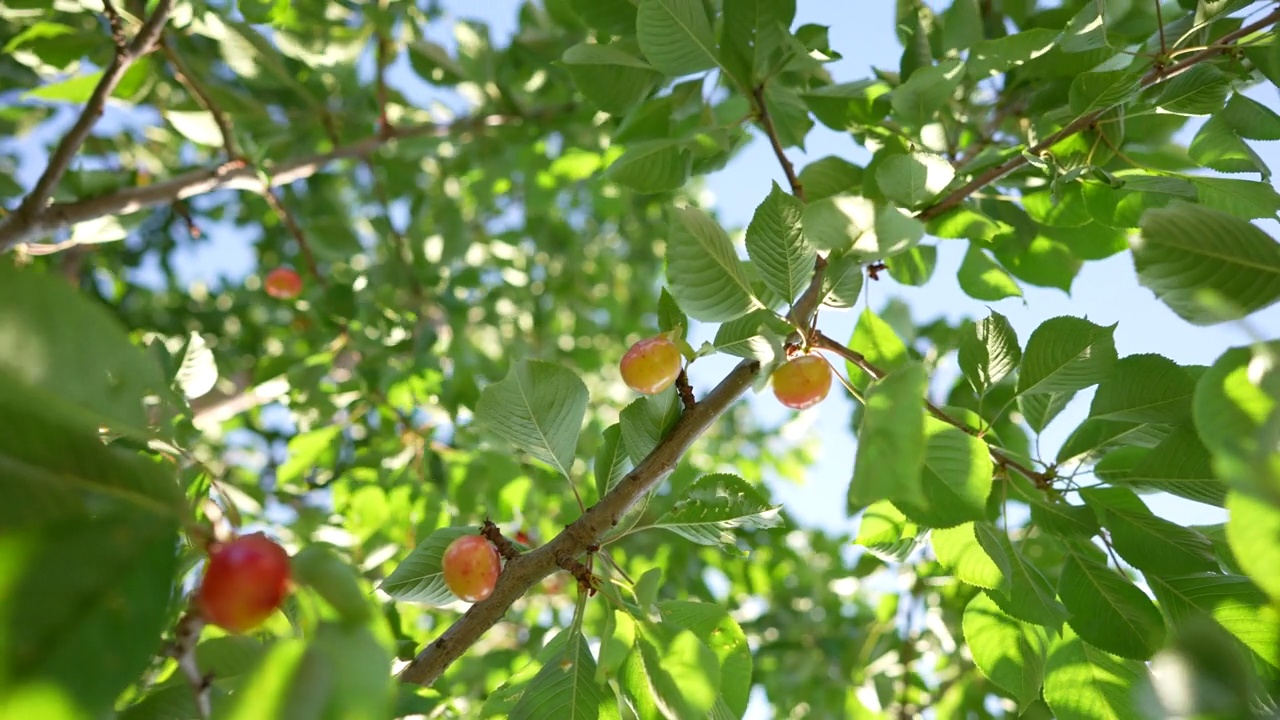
<point>245,580</point>
<point>283,283</point>
<point>802,382</point>
<point>651,365</point>
<point>471,567</point>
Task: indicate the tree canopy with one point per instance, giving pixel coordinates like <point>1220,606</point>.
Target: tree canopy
<point>448,239</point>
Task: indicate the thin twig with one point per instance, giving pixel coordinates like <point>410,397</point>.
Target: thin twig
<point>1154,76</point>
<point>766,121</point>
<point>1164,49</point>
<point>522,573</point>
<point>183,649</point>
<point>20,226</point>
<point>33,205</point>
<point>1000,457</point>
<point>232,149</point>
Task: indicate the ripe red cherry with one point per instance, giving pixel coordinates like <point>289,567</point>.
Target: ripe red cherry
<point>283,283</point>
<point>651,365</point>
<point>471,567</point>
<point>802,382</point>
<point>245,580</point>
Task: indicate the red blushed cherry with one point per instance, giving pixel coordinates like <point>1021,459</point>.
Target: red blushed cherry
<point>651,365</point>
<point>283,283</point>
<point>802,382</point>
<point>245,580</point>
<point>471,567</point>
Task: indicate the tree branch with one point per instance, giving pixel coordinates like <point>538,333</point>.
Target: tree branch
<point>523,572</point>
<point>1154,76</point>
<point>18,228</point>
<point>33,205</point>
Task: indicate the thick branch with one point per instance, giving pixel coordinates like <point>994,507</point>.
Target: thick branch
<point>33,205</point>
<point>1155,76</point>
<point>233,175</point>
<point>524,571</point>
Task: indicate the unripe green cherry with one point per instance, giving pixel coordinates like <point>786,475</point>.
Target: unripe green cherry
<point>651,365</point>
<point>802,382</point>
<point>471,567</point>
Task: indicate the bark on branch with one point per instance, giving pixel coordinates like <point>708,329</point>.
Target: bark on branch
<point>523,572</point>
<point>33,206</point>
<point>20,227</point>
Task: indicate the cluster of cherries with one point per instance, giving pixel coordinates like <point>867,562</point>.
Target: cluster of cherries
<point>248,577</point>
<point>653,364</point>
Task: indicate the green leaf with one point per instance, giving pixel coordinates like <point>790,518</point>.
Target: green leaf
<point>1187,250</point>
<point>50,330</point>
<point>1145,389</point>
<point>647,420</point>
<point>849,106</point>
<point>999,55</point>
<point>1248,199</point>
<point>1094,91</point>
<point>1232,601</point>
<point>88,557</point>
<point>956,477</point>
<point>1010,653</point>
<point>1217,146</point>
<point>713,625</point>
<point>1181,465</point>
<point>703,271</point>
<point>565,686</point>
<point>896,231</point>
<point>891,442</point>
<point>1251,119</point>
<point>829,176</point>
<point>1253,533</point>
<point>887,534</point>
<point>670,317</point>
<point>777,245</point>
<point>1233,409</point>
<point>1149,543</point>
<point>911,180</point>
<point>1084,683</point>
<point>915,266</point>
<point>917,100</point>
<point>306,451</point>
<point>834,222</point>
<point>1201,90</point>
<point>676,36</point>
<point>1093,437</point>
<point>419,578</point>
<point>1040,410</point>
<point>1046,262</point>
<point>962,25</point>
<point>842,282</point>
<point>683,673</point>
<point>652,166</point>
<point>1066,354</point>
<point>610,76</point>
<point>758,335</point>
<point>982,279</point>
<point>538,407</point>
<point>197,126</point>
<point>753,30</point>
<point>616,644</point>
<point>958,549</point>
<point>716,505</point>
<point>1086,31</point>
<point>879,344</point>
<point>988,352</point>
<point>319,568</point>
<point>198,372</point>
<point>1026,594</point>
<point>612,462</point>
<point>80,88</point>
<point>1108,611</point>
